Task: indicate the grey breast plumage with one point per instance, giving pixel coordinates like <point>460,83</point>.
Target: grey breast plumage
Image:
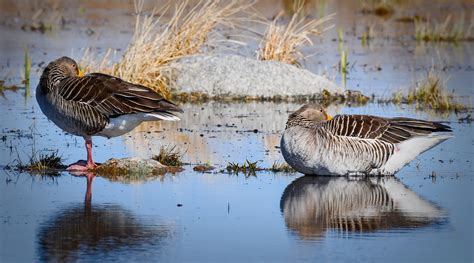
<point>84,105</point>
<point>353,144</point>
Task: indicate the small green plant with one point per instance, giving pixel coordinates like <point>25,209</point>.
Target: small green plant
<point>344,66</point>
<point>363,39</point>
<point>340,39</point>
<point>27,70</point>
<point>247,168</point>
<point>343,55</point>
<point>41,163</point>
<point>169,156</point>
<point>367,35</point>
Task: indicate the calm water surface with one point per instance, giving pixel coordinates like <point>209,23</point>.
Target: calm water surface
<point>192,216</point>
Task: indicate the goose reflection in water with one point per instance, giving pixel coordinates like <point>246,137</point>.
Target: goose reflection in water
<point>311,205</point>
<point>92,232</point>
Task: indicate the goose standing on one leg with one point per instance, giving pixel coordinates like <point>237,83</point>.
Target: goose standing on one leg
<point>97,104</point>
<point>315,143</point>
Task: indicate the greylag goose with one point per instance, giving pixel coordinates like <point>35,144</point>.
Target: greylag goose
<point>315,143</point>
<point>96,104</point>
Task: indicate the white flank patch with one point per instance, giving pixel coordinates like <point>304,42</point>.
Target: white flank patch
<point>122,124</point>
<point>407,151</point>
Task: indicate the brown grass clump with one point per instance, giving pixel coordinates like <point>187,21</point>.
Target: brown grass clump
<point>282,42</point>
<point>452,29</point>
<point>156,43</point>
<point>169,156</point>
<point>42,163</point>
<point>381,8</point>
<point>4,87</point>
<point>430,92</point>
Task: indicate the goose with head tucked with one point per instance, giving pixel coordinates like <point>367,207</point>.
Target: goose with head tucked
<point>315,143</point>
<point>97,104</point>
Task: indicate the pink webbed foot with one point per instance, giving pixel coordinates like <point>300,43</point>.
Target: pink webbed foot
<point>81,166</point>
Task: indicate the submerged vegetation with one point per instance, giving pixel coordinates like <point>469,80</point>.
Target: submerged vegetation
<point>169,156</point>
<point>250,168</point>
<point>282,42</point>
<point>430,92</point>
<point>452,29</point>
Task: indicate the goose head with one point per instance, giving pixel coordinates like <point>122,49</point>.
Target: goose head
<point>308,114</point>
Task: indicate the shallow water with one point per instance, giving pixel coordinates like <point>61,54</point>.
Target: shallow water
<point>271,216</point>
<point>424,213</point>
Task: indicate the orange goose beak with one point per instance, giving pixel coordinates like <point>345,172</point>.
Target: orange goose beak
<point>328,117</point>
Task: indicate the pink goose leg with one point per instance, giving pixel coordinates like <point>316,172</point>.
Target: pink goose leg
<point>84,165</point>
<point>90,163</point>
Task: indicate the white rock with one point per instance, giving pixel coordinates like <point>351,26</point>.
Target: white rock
<point>232,75</point>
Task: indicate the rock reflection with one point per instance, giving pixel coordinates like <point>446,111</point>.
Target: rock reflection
<point>311,205</point>
<point>205,128</point>
<point>92,232</point>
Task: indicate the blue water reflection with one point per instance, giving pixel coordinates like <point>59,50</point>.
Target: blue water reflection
<point>312,205</point>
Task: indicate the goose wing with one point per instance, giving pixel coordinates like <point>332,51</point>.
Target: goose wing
<point>392,130</point>
<point>112,96</point>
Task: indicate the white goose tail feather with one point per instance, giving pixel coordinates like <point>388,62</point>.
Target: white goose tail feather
<point>124,123</point>
<point>163,116</point>
<point>408,150</point>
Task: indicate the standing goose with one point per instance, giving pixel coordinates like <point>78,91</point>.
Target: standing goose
<point>96,104</point>
<point>315,143</point>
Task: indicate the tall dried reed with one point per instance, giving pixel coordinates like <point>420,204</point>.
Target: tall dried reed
<point>283,42</point>
<point>156,42</point>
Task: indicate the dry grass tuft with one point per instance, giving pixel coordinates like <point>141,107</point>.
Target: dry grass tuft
<point>169,156</point>
<point>452,29</point>
<point>156,43</point>
<point>282,42</point>
<point>430,92</point>
<point>42,163</point>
